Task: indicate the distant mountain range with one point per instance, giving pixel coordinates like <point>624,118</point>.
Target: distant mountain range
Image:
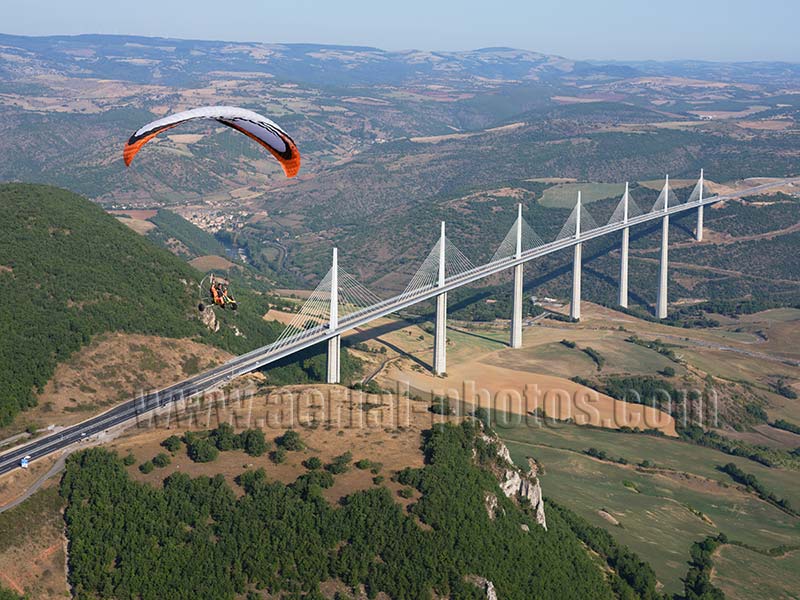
<point>178,62</point>
<point>169,61</point>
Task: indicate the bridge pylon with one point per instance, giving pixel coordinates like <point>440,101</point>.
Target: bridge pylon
<point>575,305</point>
<point>699,230</point>
<point>663,276</point>
<point>516,314</point>
<point>440,333</point>
<point>623,261</point>
<point>334,343</point>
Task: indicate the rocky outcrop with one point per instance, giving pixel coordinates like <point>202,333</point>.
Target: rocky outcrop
<point>486,585</point>
<point>524,487</point>
<point>209,319</point>
<point>490,501</point>
<point>516,484</point>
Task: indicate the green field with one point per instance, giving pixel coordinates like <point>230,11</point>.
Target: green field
<point>564,195</point>
<point>664,452</point>
<point>553,358</point>
<point>764,577</point>
<point>660,514</point>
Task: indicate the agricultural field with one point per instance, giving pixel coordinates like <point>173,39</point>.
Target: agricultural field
<point>660,511</point>
<point>564,195</point>
<point>546,354</point>
<point>764,577</point>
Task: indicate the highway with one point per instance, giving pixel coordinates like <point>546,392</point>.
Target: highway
<point>261,357</point>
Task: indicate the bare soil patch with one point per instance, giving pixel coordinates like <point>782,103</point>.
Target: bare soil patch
<point>523,393</point>
<point>140,226</point>
<point>767,124</point>
<point>433,139</point>
<point>15,483</point>
<point>113,368</point>
<point>279,316</point>
<point>331,420</point>
<point>608,517</point>
<point>186,138</point>
<point>211,262</point>
<point>136,214</point>
<point>728,114</point>
<point>33,561</point>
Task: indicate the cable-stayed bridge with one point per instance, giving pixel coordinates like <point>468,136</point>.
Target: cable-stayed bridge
<point>340,303</point>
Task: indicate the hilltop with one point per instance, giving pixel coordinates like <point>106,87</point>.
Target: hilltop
<point>437,521</point>
<point>70,272</point>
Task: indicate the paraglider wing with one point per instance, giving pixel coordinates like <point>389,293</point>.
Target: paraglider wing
<point>255,126</point>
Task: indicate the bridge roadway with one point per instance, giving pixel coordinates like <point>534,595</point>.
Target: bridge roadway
<point>260,357</point>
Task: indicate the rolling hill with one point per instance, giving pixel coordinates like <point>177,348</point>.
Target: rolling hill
<point>69,271</point>
<point>337,102</point>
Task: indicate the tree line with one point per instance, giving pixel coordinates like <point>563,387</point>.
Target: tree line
<point>194,538</point>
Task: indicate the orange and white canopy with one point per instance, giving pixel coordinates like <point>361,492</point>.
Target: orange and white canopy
<point>253,125</point>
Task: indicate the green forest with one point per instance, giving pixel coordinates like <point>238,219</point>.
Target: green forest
<point>69,271</point>
<point>194,538</point>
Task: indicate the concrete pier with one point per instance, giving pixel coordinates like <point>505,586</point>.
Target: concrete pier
<point>661,303</point>
<point>575,305</point>
<point>623,261</point>
<point>516,315</point>
<point>334,352</point>
<point>440,336</point>
<point>334,343</point>
<point>699,230</point>
<point>440,333</point>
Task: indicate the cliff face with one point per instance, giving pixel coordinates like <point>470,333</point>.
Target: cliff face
<point>209,319</point>
<point>517,484</point>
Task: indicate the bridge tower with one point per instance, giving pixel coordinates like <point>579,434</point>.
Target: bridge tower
<point>516,315</point>
<point>334,343</point>
<point>699,231</point>
<point>661,304</point>
<point>623,262</point>
<point>575,306</point>
<point>440,335</point>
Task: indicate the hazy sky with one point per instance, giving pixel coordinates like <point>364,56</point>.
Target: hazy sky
<point>610,29</point>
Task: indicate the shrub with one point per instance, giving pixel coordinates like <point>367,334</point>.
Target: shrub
<point>290,441</point>
<point>595,356</point>
<point>224,438</point>
<point>313,463</point>
<point>340,464</point>
<point>161,460</point>
<point>129,459</point>
<point>441,406</point>
<point>405,492</point>
<point>253,442</point>
<point>786,426</point>
<point>278,455</point>
<point>172,443</point>
<point>146,467</point>
<point>364,464</point>
<point>313,479</point>
<point>200,449</point>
